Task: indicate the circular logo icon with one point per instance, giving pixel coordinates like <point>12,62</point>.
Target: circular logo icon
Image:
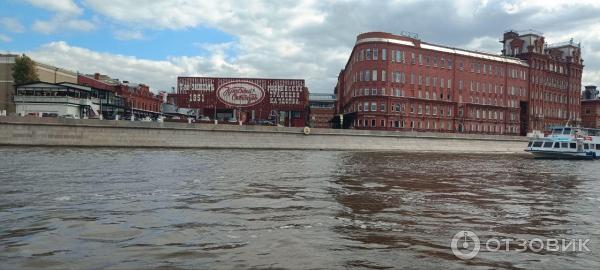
<point>240,93</point>
<point>465,245</point>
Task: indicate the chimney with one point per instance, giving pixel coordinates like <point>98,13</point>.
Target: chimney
<point>97,76</point>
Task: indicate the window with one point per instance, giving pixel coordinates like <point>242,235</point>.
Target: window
<point>383,75</point>
<point>537,144</point>
<point>374,72</point>
<point>382,123</point>
<point>373,123</point>
<point>382,106</point>
<point>375,54</point>
<point>373,106</point>
<point>383,54</point>
<point>556,145</point>
<point>564,145</point>
<point>572,145</point>
<point>368,54</point>
<point>366,106</point>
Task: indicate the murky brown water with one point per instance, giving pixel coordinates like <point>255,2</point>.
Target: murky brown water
<point>80,208</point>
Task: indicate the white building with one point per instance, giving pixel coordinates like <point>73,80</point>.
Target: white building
<point>51,100</point>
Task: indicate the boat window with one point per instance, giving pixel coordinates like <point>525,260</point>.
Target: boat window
<point>567,131</point>
<point>529,144</point>
<point>597,146</point>
<point>556,131</point>
<point>537,144</point>
<point>564,145</point>
<point>573,145</point>
<point>586,146</point>
<point>548,145</point>
<point>556,145</point>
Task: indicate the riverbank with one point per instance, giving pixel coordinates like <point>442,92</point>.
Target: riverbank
<point>34,131</point>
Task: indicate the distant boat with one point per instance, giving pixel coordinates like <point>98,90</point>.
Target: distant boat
<point>567,143</point>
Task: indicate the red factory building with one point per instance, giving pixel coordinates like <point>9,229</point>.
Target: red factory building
<point>250,100</point>
<point>398,82</point>
<point>125,97</point>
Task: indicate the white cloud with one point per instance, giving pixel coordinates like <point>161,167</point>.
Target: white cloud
<point>5,38</point>
<point>484,44</point>
<point>59,6</point>
<point>60,23</point>
<point>11,24</point>
<point>66,17</point>
<point>160,75</point>
<point>128,34</point>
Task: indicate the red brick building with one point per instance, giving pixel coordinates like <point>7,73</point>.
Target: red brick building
<point>140,98</point>
<point>250,100</point>
<point>554,79</point>
<point>126,97</point>
<point>394,82</point>
<point>590,107</point>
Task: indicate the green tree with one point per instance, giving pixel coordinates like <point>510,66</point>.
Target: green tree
<point>24,70</point>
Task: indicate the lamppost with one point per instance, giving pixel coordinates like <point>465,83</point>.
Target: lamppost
<point>132,116</point>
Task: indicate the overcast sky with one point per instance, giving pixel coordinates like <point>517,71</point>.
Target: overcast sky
<point>155,41</point>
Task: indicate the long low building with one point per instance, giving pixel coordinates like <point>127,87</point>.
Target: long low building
<point>52,100</point>
<point>249,100</point>
<point>395,82</point>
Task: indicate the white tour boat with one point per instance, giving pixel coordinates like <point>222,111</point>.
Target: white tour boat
<point>567,142</point>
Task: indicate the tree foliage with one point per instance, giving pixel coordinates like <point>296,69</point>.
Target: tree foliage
<point>24,70</point>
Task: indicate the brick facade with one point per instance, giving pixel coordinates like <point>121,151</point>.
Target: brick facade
<point>280,101</point>
<point>395,82</point>
<point>590,113</point>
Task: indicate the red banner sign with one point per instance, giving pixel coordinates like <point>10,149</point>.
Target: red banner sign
<point>240,93</point>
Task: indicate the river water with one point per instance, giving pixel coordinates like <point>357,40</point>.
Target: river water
<point>96,208</point>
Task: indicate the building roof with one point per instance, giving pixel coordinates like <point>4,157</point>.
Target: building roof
<point>63,85</point>
<point>446,49</point>
<point>321,97</point>
<point>77,86</point>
